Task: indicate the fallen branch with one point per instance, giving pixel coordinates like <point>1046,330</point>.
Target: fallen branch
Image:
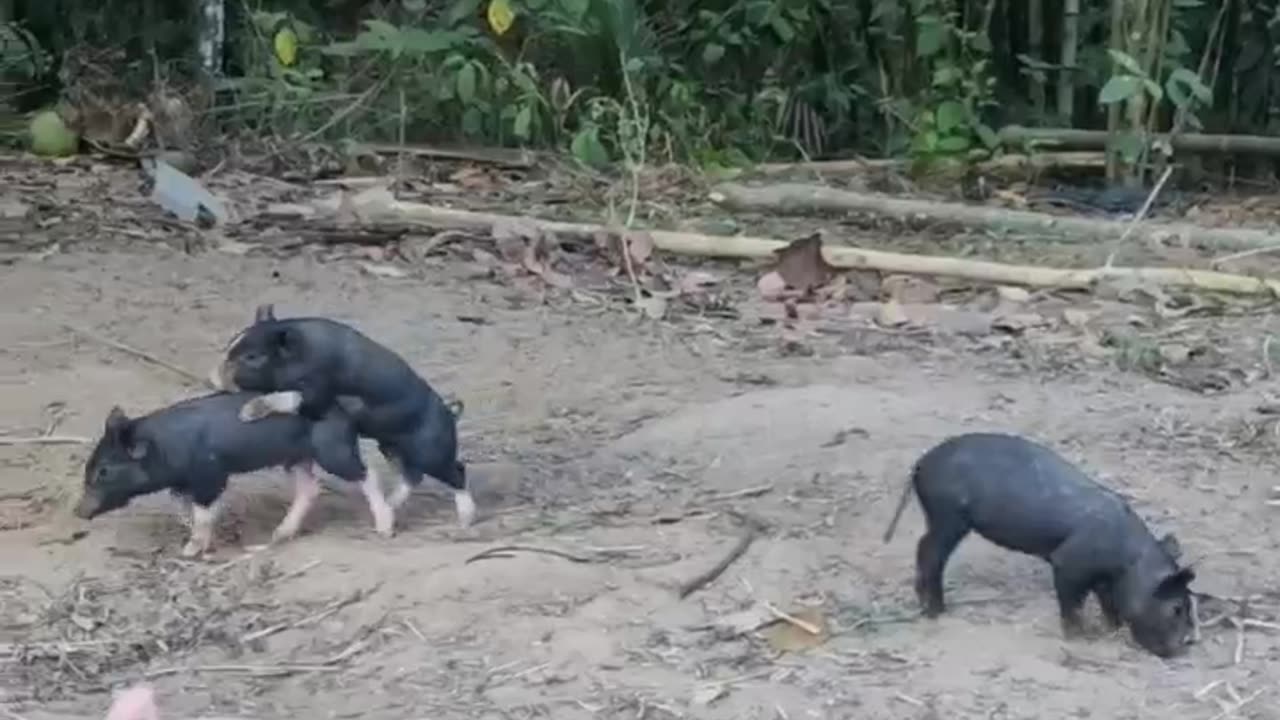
<point>1004,164</point>
<point>753,529</point>
<point>140,354</point>
<point>800,198</point>
<point>504,551</point>
<point>845,257</point>
<point>493,156</point>
<point>1016,135</point>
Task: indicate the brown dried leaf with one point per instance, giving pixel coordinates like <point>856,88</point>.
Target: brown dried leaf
<point>802,265</point>
<point>537,260</point>
<point>639,245</point>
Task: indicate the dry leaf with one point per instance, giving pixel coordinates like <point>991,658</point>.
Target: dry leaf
<point>908,289</point>
<point>891,314</point>
<point>784,636</point>
<point>639,246</point>
<point>771,286</point>
<point>385,271</point>
<point>802,265</point>
<point>536,259</point>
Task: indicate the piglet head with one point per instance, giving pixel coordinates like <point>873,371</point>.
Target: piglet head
<point>115,472</point>
<point>1162,620</point>
<point>260,354</point>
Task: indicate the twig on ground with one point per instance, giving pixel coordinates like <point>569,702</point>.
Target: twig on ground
<point>1238,656</point>
<point>328,610</point>
<point>45,440</point>
<point>504,551</point>
<point>1138,216</point>
<point>253,670</point>
<point>1233,708</point>
<point>746,492</point>
<point>140,354</point>
<point>802,624</point>
<point>754,528</point>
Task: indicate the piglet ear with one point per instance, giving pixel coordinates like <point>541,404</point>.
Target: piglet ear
<point>1171,546</point>
<point>288,341</point>
<point>265,313</point>
<point>1176,583</point>
<point>117,421</point>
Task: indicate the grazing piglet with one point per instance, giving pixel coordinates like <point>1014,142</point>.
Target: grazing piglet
<point>307,365</point>
<point>192,447</point>
<point>1023,496</point>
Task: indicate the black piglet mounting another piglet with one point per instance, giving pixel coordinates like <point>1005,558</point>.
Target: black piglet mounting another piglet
<point>309,365</point>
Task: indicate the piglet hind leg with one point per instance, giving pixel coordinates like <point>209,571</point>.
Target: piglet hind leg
<point>932,553</point>
<point>203,519</point>
<point>306,488</point>
<point>276,403</point>
<point>384,516</point>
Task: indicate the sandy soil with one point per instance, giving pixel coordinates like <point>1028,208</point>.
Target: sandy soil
<point>625,442</point>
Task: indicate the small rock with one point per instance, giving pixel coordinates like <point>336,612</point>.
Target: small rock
<point>891,314</point>
<point>14,210</point>
<point>1012,294</point>
<point>1175,353</point>
<point>1076,317</point>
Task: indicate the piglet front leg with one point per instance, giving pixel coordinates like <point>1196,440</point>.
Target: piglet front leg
<point>202,522</point>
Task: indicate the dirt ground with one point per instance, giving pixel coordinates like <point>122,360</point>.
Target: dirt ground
<point>626,443</point>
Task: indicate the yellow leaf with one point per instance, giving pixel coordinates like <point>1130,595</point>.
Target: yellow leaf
<point>286,42</point>
<point>501,16</point>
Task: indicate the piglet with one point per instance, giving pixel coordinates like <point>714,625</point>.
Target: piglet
<point>1023,496</point>
<point>310,364</point>
<point>193,447</point>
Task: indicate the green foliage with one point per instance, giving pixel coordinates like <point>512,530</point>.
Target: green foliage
<point>949,121</point>
<point>617,83</point>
